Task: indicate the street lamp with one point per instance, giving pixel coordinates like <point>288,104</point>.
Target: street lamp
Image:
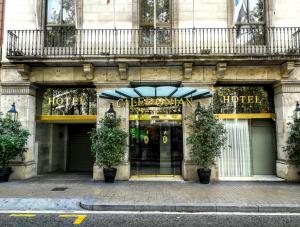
<point>13,113</point>
<point>111,113</point>
<point>198,112</point>
<point>297,112</point>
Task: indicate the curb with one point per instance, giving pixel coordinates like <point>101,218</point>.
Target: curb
<point>39,204</point>
<point>193,208</point>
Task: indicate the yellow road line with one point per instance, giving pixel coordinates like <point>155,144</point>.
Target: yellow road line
<point>23,215</point>
<point>79,218</point>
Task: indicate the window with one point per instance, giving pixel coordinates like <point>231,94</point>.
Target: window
<point>60,23</point>
<point>155,22</point>
<point>249,18</point>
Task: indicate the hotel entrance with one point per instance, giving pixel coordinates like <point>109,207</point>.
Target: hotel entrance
<point>156,143</point>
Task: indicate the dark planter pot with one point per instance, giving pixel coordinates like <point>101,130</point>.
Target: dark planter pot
<point>4,174</point>
<point>109,174</point>
<point>204,175</point>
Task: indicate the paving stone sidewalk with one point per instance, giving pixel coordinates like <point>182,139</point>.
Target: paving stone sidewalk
<point>83,193</point>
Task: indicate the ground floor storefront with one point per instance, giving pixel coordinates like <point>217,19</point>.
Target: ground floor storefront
<point>60,118</point>
<point>157,131</point>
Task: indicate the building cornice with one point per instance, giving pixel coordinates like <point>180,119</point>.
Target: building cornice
<point>17,88</point>
<point>287,86</point>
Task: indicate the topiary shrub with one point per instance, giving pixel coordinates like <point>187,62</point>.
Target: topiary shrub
<point>108,143</point>
<point>13,139</point>
<point>293,142</point>
<point>207,137</point>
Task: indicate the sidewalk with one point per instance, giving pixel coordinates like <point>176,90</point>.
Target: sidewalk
<point>82,193</point>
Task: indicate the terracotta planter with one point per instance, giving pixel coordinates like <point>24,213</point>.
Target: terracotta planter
<point>109,174</point>
<point>204,175</point>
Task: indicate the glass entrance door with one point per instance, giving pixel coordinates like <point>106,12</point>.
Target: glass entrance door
<point>156,147</point>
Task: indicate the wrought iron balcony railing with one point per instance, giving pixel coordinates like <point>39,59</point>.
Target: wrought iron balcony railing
<point>60,43</point>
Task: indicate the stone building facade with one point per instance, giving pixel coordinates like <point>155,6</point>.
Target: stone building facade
<point>63,46</point>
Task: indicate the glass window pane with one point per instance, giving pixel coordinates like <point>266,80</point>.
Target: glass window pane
<point>56,36</point>
<point>68,12</point>
<point>256,10</point>
<point>162,11</point>
<point>147,12</point>
<point>53,11</point>
<point>147,37</point>
<point>250,35</point>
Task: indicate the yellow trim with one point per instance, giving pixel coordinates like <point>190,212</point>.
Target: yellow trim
<point>67,118</point>
<point>148,117</point>
<point>23,215</point>
<point>246,116</point>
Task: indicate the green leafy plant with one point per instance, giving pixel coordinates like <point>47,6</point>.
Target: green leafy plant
<point>108,143</point>
<point>293,142</point>
<point>13,139</point>
<point>207,136</point>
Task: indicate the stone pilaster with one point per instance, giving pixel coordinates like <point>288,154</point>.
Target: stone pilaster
<point>286,95</point>
<point>123,172</point>
<point>23,94</point>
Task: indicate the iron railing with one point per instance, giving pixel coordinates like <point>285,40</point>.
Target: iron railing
<point>58,43</point>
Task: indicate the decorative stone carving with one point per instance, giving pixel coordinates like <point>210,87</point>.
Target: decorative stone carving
<point>24,71</point>
<point>187,70</point>
<point>123,71</point>
<point>88,70</point>
<point>287,68</point>
<point>221,69</point>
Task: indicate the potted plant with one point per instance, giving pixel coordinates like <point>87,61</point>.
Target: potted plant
<point>108,146</point>
<point>207,136</point>
<point>293,142</point>
<point>13,139</point>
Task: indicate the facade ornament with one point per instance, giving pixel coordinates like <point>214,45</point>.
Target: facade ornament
<point>287,68</point>
<point>187,70</point>
<point>123,71</point>
<point>221,68</point>
<point>88,70</point>
<point>24,71</point>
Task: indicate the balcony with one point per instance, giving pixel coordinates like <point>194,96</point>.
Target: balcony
<point>75,44</point>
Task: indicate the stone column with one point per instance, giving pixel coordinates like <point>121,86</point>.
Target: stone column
<point>287,93</point>
<point>123,170</point>
<point>23,94</point>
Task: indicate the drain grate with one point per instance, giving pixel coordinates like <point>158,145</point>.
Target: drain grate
<point>58,189</point>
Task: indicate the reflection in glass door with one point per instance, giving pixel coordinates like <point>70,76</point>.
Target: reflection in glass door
<point>156,147</point>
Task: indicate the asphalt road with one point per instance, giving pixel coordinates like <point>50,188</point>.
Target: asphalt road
<point>147,219</point>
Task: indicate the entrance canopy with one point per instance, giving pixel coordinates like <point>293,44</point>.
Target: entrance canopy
<point>156,92</point>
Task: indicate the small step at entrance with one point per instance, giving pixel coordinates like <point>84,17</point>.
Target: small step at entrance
<point>176,178</point>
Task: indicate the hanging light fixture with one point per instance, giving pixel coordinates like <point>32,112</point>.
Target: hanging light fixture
<point>13,113</point>
<point>111,113</point>
<point>297,112</point>
<point>198,112</point>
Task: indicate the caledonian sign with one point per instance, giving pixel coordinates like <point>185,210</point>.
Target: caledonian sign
<point>144,102</point>
<point>160,102</point>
